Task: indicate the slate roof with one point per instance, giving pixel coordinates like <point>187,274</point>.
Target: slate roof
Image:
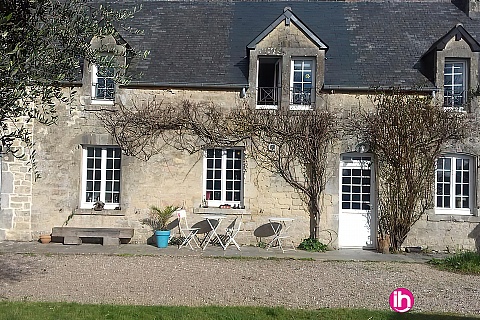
<point>370,43</point>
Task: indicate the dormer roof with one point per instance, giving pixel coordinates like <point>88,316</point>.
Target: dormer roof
<point>458,32</point>
<point>288,17</point>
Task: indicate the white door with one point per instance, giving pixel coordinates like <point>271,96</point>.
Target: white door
<point>356,225</point>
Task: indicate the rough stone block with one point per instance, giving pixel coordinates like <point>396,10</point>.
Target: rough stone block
<point>72,240</point>
<point>109,241</point>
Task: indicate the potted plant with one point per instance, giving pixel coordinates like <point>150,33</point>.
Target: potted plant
<point>158,220</point>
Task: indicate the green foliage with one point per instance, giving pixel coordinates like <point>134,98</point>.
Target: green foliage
<point>312,245</point>
<point>43,44</point>
<point>467,262</point>
<point>73,311</point>
<point>158,217</point>
<point>261,244</point>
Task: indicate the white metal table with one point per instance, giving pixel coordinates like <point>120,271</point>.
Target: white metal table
<point>213,232</point>
<point>280,226</point>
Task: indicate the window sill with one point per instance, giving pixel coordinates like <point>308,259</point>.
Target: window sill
<point>452,217</point>
<point>459,109</point>
<point>220,211</point>
<point>100,107</point>
<point>104,212</point>
<point>102,102</point>
<point>301,107</point>
<point>266,107</point>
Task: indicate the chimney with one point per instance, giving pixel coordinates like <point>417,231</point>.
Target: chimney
<point>474,9</point>
<point>470,7</point>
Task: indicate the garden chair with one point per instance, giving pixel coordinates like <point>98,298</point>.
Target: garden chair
<point>188,234</point>
<point>231,231</point>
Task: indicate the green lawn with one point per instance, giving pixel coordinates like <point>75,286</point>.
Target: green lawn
<point>73,311</point>
<point>466,262</point>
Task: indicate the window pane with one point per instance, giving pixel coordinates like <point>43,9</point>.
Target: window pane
<point>209,184</point>
<point>225,181</point>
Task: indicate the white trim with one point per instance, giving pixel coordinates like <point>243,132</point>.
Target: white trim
<point>83,202</point>
<point>359,216</point>
<point>471,186</point>
<point>464,73</point>
<point>313,69</point>
<point>223,178</point>
<point>94,99</point>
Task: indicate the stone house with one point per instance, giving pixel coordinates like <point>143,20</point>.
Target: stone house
<point>269,55</point>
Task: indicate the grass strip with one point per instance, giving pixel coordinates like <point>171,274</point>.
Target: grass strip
<point>72,311</point>
<point>467,262</point>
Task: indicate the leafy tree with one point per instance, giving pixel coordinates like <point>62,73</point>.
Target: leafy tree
<point>42,46</point>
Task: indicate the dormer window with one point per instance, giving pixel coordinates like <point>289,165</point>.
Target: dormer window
<point>103,84</point>
<point>455,84</point>
<point>269,82</point>
<point>302,92</point>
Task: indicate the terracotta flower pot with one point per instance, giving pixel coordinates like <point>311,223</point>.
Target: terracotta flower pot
<point>45,238</point>
<point>384,244</point>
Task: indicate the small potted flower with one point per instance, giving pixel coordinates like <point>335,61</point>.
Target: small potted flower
<point>158,220</point>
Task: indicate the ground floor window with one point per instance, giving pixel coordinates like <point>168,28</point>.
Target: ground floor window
<point>101,176</point>
<point>223,177</point>
<point>454,184</point>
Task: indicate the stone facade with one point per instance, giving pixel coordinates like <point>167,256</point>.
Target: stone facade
<point>30,208</point>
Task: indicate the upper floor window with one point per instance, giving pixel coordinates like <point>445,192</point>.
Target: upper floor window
<point>101,176</point>
<point>223,177</point>
<point>455,84</point>
<point>302,84</point>
<point>103,84</point>
<point>268,82</point>
<point>454,183</point>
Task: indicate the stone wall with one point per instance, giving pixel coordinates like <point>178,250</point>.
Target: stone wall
<point>16,196</point>
<point>31,208</point>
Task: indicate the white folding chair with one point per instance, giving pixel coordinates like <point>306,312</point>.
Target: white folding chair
<point>231,231</point>
<point>188,234</point>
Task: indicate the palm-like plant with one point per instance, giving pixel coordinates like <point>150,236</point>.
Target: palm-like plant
<point>158,217</point>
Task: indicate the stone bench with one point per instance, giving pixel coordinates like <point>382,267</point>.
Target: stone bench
<point>110,236</point>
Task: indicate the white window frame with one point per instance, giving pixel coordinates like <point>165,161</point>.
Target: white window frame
<point>453,184</point>
<point>452,74</point>
<point>312,70</point>
<point>89,203</point>
<point>94,99</point>
<point>357,162</point>
<point>208,198</point>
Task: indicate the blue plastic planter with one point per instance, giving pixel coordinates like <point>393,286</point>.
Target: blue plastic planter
<point>162,238</point>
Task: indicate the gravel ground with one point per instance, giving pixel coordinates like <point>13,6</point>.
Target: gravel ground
<point>195,281</point>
